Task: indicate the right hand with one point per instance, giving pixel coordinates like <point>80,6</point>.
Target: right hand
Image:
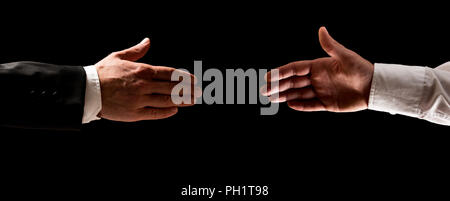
<point>338,83</point>
<point>134,91</point>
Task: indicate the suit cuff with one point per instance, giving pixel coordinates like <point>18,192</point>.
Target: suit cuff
<point>93,97</point>
<point>397,89</point>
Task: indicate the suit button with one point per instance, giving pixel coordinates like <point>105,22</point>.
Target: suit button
<point>43,93</point>
<point>54,93</point>
<point>32,92</point>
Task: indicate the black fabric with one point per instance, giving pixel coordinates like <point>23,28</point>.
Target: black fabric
<point>41,96</point>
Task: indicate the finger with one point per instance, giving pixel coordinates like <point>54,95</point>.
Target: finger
<point>156,113</point>
<point>163,101</point>
<point>283,85</point>
<point>166,88</point>
<point>136,52</point>
<point>331,46</point>
<point>161,87</point>
<point>293,94</point>
<point>299,68</point>
<point>306,105</point>
<point>165,73</point>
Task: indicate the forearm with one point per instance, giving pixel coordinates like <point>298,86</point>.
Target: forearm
<point>37,95</point>
<point>414,91</point>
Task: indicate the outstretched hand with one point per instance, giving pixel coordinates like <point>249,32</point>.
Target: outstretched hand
<point>133,91</point>
<point>339,83</point>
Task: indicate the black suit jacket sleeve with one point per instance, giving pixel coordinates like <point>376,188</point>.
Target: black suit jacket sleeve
<point>38,95</point>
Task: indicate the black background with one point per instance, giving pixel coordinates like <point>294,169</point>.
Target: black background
<point>363,155</point>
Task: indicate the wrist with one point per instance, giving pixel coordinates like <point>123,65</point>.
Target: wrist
<point>368,85</point>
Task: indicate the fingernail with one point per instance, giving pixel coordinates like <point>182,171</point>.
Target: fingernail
<point>144,41</point>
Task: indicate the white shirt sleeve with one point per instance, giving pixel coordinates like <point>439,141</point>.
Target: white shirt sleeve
<point>93,96</point>
<point>414,91</point>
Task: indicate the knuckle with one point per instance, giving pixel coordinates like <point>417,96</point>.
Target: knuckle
<point>145,71</point>
<point>292,83</point>
<point>173,85</point>
<point>140,84</point>
<point>166,99</point>
<point>152,113</point>
<point>292,67</point>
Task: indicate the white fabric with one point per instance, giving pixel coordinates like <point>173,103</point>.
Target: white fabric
<point>414,91</point>
<point>93,96</point>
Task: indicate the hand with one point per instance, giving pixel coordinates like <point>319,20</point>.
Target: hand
<point>134,91</point>
<point>339,83</point>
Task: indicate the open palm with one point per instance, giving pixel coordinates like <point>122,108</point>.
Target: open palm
<point>339,83</point>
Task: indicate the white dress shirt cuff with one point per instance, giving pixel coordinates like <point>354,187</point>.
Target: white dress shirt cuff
<point>93,97</point>
<point>397,89</point>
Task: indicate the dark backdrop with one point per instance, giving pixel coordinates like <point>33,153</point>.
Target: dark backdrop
<point>354,155</point>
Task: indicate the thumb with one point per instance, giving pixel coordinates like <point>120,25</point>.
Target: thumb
<point>331,46</point>
<point>136,52</point>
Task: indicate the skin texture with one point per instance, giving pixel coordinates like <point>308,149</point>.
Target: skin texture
<point>133,91</point>
<point>339,83</point>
